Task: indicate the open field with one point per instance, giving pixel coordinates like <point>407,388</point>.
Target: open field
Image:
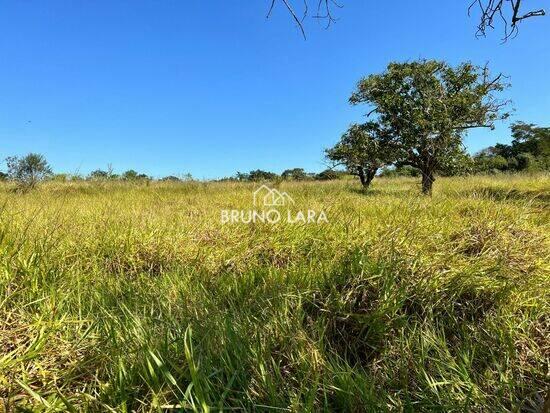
<point>132,297</point>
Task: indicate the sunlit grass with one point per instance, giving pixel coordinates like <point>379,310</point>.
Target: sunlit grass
<point>133,297</point>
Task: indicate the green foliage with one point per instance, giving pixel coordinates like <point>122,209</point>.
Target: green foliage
<point>99,174</point>
<point>529,138</point>
<point>131,175</point>
<point>28,170</point>
<point>329,175</point>
<point>426,106</point>
<point>529,151</point>
<point>257,176</point>
<point>295,174</point>
<point>170,178</point>
<point>490,164</point>
<point>526,162</point>
<point>60,177</point>
<point>461,163</point>
<point>362,150</point>
<point>405,170</point>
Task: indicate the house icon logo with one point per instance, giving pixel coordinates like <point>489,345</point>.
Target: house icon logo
<point>270,197</point>
<point>266,202</point>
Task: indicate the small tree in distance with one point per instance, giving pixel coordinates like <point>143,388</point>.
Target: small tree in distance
<point>256,176</point>
<point>170,178</point>
<point>99,174</point>
<point>29,170</point>
<point>295,174</point>
<point>362,150</point>
<point>329,175</point>
<point>130,175</point>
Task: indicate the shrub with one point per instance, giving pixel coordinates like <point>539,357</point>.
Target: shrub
<point>29,170</point>
<point>295,174</point>
<point>170,178</point>
<point>329,175</point>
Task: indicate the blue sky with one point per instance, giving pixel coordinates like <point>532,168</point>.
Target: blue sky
<point>212,87</point>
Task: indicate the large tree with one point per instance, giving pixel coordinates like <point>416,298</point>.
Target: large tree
<point>427,106</point>
<point>362,150</point>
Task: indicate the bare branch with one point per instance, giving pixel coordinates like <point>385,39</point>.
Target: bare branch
<point>510,16</point>
<point>323,12</point>
<point>509,12</point>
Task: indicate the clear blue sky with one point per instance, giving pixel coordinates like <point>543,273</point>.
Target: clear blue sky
<point>212,87</point>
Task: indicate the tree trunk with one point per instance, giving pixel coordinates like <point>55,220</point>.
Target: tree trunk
<point>428,179</point>
<point>371,173</point>
<point>367,176</point>
<point>362,177</point>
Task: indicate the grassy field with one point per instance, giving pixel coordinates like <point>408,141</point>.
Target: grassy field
<point>132,297</point>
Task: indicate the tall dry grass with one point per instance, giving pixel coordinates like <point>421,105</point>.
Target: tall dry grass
<point>126,297</point>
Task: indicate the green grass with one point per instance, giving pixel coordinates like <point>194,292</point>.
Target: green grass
<point>121,297</point>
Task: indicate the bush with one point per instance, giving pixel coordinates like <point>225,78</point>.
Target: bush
<point>170,178</point>
<point>406,170</point>
<point>329,175</point>
<point>296,174</point>
<point>526,162</point>
<point>256,176</point>
<point>131,175</point>
<point>483,163</point>
<point>99,174</point>
<point>29,170</point>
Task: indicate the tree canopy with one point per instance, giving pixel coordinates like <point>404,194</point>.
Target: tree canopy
<point>426,106</point>
<point>528,151</point>
<point>362,150</point>
<point>295,174</point>
<point>28,170</point>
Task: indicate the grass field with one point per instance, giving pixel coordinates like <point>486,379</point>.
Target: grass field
<point>133,297</point>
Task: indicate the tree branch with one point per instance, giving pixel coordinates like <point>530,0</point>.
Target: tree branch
<point>493,9</point>
<point>323,12</point>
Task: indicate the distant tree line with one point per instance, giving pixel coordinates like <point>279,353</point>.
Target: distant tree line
<point>129,175</point>
<point>528,151</point>
<point>294,174</point>
<point>132,176</point>
<point>33,168</point>
<point>27,171</point>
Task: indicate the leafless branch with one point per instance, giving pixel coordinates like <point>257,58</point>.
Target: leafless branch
<point>324,12</point>
<point>508,11</point>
